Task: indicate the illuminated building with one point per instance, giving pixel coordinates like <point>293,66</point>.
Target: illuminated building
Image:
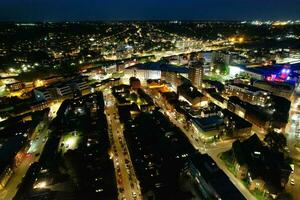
<point>196,72</point>
<point>277,88</point>
<point>42,94</point>
<point>5,175</point>
<point>15,86</point>
<point>249,93</point>
<point>153,70</point>
<point>192,95</point>
<point>60,89</point>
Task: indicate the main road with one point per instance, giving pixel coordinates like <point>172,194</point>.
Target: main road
<point>126,179</point>
<point>293,141</point>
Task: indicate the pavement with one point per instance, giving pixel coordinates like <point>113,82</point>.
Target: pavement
<point>125,175</point>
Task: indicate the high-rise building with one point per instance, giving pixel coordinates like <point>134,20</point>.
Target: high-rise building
<point>196,72</point>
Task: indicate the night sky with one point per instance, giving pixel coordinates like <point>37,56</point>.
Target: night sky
<point>80,10</point>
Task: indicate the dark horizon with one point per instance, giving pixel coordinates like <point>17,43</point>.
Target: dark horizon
<point>144,21</point>
<point>143,10</point>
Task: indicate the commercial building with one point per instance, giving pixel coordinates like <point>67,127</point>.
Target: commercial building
<point>43,94</point>
<point>153,70</point>
<point>61,89</point>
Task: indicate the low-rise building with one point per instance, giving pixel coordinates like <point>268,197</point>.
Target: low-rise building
<point>208,128</point>
<point>192,95</point>
<point>276,88</point>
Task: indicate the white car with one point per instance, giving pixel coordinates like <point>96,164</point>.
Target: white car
<point>292,181</point>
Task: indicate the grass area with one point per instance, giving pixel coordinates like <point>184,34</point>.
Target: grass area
<point>258,195</point>
<point>70,140</point>
<point>117,74</point>
<point>228,160</point>
<point>245,182</point>
<point>214,77</point>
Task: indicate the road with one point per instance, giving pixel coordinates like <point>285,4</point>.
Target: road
<point>293,141</point>
<point>38,140</point>
<point>126,179</point>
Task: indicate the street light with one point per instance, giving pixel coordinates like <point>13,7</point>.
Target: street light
<point>40,185</point>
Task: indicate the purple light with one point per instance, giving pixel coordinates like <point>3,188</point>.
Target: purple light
<point>285,71</point>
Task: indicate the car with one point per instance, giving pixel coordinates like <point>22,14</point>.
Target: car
<point>133,194</point>
<point>123,197</point>
<point>120,182</point>
<point>292,181</point>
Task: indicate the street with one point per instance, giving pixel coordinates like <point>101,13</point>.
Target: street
<point>293,142</point>
<point>127,182</point>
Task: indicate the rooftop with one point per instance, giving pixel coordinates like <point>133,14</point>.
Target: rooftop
<point>209,123</point>
<point>162,67</point>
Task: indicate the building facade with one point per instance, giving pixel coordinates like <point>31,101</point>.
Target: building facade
<point>196,72</point>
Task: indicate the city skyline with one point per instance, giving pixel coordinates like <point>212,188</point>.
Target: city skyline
<point>144,100</point>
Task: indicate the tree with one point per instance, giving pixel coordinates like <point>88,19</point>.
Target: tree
<point>276,141</point>
<point>133,97</point>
